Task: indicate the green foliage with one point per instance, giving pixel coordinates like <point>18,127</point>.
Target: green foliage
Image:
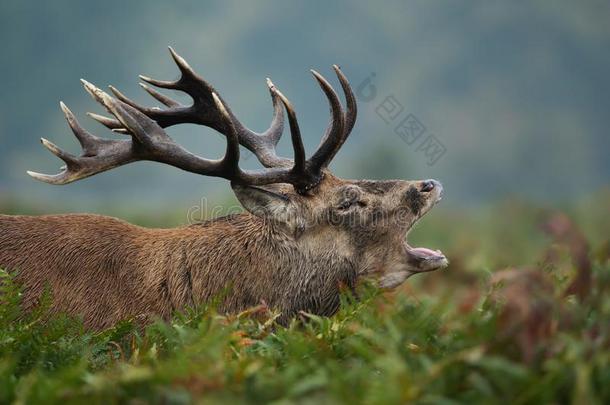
<point>476,333</point>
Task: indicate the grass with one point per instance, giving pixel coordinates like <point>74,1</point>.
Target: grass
<point>521,316</point>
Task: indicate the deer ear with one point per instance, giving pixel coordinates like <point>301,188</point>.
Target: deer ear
<point>269,205</point>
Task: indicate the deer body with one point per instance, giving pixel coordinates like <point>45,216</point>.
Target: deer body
<point>106,270</point>
<point>305,233</point>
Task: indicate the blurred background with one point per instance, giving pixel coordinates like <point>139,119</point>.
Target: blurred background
<point>506,103</point>
<point>513,97</point>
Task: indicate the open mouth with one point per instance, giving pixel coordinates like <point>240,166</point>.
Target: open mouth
<point>422,259</point>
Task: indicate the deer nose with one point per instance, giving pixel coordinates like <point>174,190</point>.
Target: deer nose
<point>428,185</point>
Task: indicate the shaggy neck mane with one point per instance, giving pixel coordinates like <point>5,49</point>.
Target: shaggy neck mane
<point>250,254</point>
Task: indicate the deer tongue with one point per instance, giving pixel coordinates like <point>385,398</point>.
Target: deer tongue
<point>424,259</point>
<point>425,252</point>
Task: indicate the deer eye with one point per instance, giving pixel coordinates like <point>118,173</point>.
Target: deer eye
<point>346,204</point>
<point>350,196</point>
<point>350,203</point>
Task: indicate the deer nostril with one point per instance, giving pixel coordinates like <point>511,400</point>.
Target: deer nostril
<point>427,186</point>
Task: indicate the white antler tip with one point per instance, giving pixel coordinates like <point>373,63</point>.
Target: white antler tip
<point>52,147</point>
<point>317,75</point>
<point>91,89</point>
<point>36,175</point>
<point>64,108</point>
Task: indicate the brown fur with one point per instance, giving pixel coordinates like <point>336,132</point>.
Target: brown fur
<point>291,251</point>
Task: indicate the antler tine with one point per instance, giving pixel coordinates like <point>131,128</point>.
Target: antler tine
<point>109,123</point>
<point>87,140</point>
<point>164,84</point>
<point>274,133</point>
<point>130,102</point>
<point>334,133</point>
<point>163,99</point>
<point>295,133</point>
<point>68,158</point>
<point>188,73</point>
<point>230,161</point>
<point>263,145</point>
<point>350,99</point>
<point>185,69</point>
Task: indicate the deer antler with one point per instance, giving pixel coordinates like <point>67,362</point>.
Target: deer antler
<point>150,142</point>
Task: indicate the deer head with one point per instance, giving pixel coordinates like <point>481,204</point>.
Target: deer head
<point>363,221</point>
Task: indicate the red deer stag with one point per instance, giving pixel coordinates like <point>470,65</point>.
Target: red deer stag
<point>305,232</point>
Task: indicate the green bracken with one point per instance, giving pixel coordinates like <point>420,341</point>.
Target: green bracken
<point>521,316</point>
